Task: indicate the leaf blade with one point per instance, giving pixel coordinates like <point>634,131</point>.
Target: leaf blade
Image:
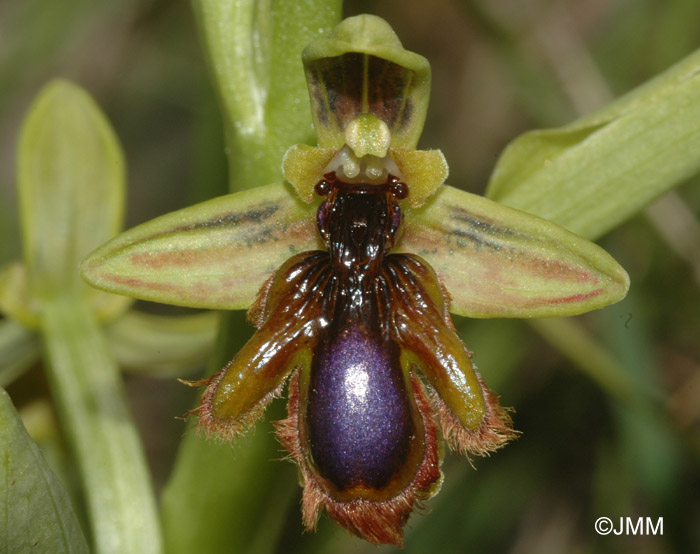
<point>593,174</point>
<point>31,523</point>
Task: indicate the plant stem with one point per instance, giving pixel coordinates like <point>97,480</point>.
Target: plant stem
<point>254,53</point>
<point>88,390</point>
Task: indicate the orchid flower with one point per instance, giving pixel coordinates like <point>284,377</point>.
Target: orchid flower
<point>350,270</point>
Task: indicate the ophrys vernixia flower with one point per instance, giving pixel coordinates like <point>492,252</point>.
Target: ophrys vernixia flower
<point>357,304</point>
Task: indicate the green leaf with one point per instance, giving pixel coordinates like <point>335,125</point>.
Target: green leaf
<point>70,184</point>
<point>595,173</point>
<point>499,262</point>
<point>36,514</point>
<point>215,254</point>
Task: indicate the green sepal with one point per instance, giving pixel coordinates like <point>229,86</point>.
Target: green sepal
<point>71,195</point>
<point>496,261</point>
<point>215,254</point>
<point>361,67</point>
<point>70,186</point>
<point>493,260</point>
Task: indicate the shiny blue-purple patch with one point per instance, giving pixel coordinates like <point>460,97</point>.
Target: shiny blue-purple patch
<point>358,413</point>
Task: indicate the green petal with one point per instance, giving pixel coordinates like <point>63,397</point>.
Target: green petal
<point>37,514</point>
<point>215,254</point>
<point>499,262</point>
<point>362,68</point>
<point>303,167</point>
<point>422,170</point>
<point>596,172</point>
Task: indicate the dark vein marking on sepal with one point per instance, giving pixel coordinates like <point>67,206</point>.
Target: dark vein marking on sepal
<point>256,216</point>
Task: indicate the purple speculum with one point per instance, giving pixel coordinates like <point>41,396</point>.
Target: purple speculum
<point>358,413</point>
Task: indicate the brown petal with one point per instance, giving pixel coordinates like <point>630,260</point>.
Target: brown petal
<point>238,394</point>
<point>470,416</point>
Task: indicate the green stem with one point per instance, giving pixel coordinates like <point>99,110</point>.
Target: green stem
<point>232,485</point>
<point>254,52</point>
<point>88,390</point>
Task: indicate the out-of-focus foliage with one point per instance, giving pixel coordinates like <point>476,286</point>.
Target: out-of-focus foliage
<point>49,525</point>
<point>70,183</point>
<point>592,445</point>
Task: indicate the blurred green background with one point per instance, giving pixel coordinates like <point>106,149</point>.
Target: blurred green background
<point>500,67</point>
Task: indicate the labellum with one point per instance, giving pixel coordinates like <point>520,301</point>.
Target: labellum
<point>357,319</point>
